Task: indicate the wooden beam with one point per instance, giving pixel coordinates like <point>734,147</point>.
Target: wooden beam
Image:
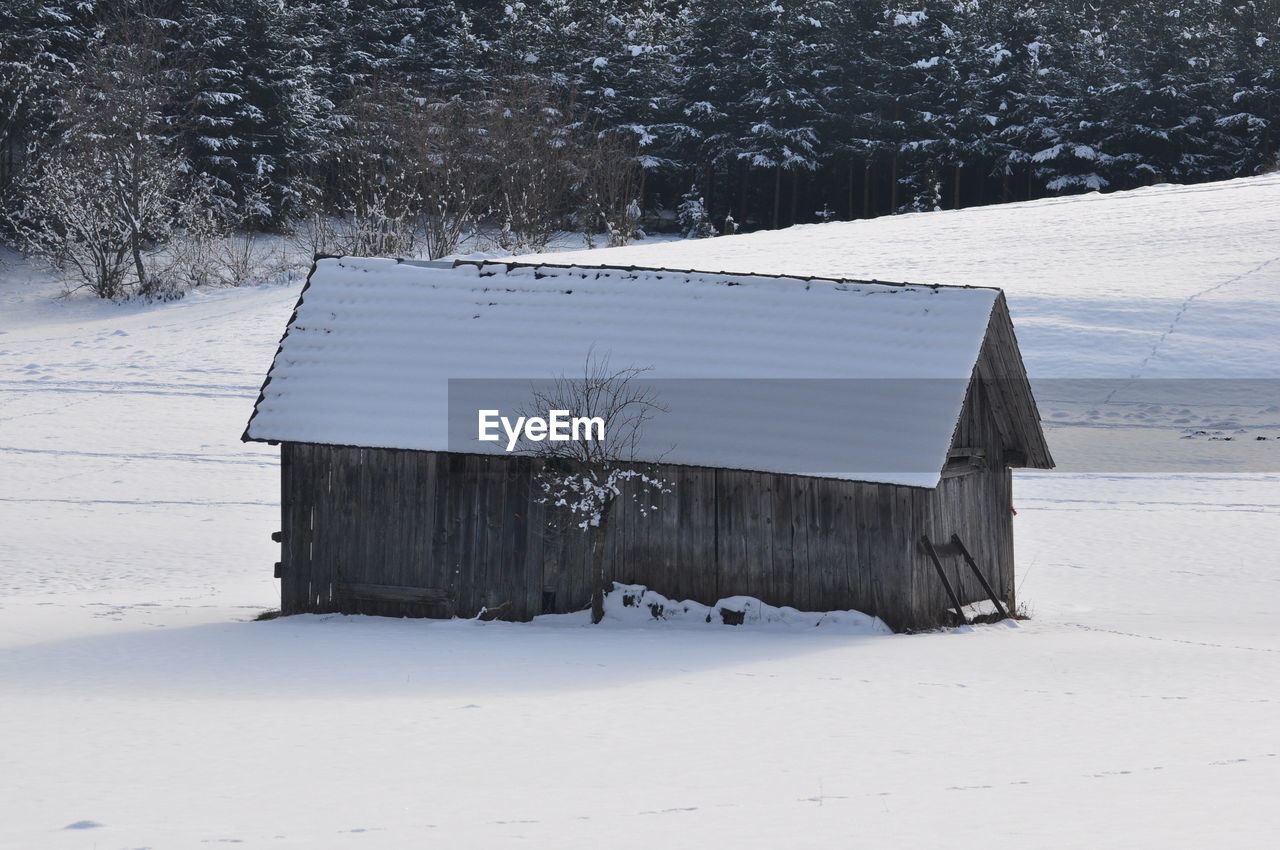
<point>982,580</point>
<point>391,593</point>
<point>963,466</point>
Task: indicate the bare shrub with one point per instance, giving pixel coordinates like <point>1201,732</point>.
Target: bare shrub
<point>95,214</point>
<point>106,190</point>
<point>219,246</point>
<point>609,185</point>
<point>414,172</point>
<point>242,258</point>
<point>530,135</point>
<point>319,233</point>
<point>409,175</point>
<point>371,205</point>
<point>615,395</point>
<point>583,479</point>
<point>444,145</point>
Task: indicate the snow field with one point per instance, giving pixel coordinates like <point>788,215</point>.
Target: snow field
<point>140,706</point>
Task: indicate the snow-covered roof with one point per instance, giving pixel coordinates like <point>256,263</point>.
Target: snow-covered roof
<point>370,353</point>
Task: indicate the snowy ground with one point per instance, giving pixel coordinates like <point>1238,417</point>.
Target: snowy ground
<point>140,708</point>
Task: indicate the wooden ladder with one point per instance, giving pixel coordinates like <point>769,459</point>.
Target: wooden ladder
<point>957,547</point>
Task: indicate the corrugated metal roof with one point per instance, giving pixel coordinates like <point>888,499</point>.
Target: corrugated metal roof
<point>371,351</point>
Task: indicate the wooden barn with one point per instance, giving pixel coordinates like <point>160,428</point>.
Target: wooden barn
<point>902,512</point>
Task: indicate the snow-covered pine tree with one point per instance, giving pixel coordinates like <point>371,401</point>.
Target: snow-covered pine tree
<point>1038,54</point>
<point>789,77</point>
<point>255,117</point>
<point>1251,68</point>
<point>40,44</point>
<point>1156,117</point>
<point>692,216</point>
<point>389,40</point>
<point>856,118</point>
<point>756,84</point>
<point>697,108</point>
<point>915,67</point>
<point>627,75</point>
<point>980,72</point>
<point>1066,129</point>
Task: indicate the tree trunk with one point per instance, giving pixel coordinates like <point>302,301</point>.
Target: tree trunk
<point>597,563</point>
<point>777,193</point>
<point>893,186</point>
<point>852,215</point>
<point>893,176</point>
<point>742,194</point>
<point>956,204</point>
<point>866,191</point>
<point>137,261</point>
<point>131,205</point>
<point>795,194</point>
<point>709,193</point>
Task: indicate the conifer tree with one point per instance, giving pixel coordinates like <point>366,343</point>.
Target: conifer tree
<point>41,42</point>
<point>255,116</point>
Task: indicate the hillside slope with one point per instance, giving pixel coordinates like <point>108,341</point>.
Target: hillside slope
<point>1171,281</point>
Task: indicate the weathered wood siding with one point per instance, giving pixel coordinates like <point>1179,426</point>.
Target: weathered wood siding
<point>1009,396</point>
<point>978,508</point>
<point>406,533</point>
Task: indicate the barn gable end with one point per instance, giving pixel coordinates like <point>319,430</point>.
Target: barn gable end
<point>1012,403</point>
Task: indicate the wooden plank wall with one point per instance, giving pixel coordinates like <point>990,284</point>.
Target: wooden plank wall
<point>465,533</point>
<point>977,507</point>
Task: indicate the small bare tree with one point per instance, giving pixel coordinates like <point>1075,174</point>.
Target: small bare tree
<point>106,190</point>
<point>443,142</point>
<point>530,139</point>
<point>584,479</point>
<point>98,213</point>
<point>610,188</point>
<point>220,245</point>
<point>365,197</point>
<point>408,173</point>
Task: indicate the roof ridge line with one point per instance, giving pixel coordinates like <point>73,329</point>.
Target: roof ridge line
<point>519,264</point>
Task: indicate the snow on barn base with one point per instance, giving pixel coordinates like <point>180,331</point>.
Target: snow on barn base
<point>141,708</point>
<point>637,605</point>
